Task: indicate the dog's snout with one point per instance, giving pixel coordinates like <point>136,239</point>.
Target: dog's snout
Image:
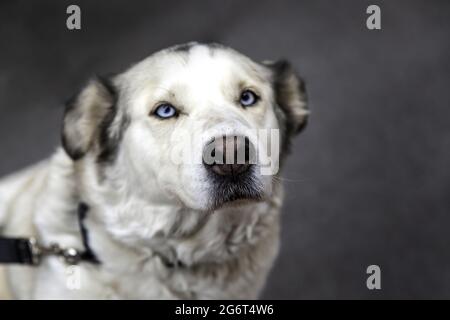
<point>228,155</point>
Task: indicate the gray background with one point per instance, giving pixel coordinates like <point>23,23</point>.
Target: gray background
<point>368,181</point>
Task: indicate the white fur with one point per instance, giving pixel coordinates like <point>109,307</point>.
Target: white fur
<point>151,209</point>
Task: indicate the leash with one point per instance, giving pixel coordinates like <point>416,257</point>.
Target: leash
<point>28,251</point>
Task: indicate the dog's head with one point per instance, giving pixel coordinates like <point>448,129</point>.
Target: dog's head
<point>190,125</point>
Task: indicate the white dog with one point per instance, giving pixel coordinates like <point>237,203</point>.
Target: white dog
<point>146,226</point>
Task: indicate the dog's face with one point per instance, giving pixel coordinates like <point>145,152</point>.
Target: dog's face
<point>188,126</point>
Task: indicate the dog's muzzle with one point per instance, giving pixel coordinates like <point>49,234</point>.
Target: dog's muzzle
<point>228,156</point>
<point>230,163</point>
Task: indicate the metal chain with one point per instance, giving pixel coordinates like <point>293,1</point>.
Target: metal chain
<point>71,256</point>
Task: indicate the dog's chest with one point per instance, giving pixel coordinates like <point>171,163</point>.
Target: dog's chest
<point>212,265</point>
<point>157,281</point>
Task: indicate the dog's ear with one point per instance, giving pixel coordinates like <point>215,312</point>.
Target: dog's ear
<point>84,115</point>
<point>290,95</point>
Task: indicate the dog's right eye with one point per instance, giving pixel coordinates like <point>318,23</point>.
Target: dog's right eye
<point>165,111</point>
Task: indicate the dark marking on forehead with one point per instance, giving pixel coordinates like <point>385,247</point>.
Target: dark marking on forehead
<point>214,45</point>
<point>186,47</point>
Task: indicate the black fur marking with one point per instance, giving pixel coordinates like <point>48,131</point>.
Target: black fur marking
<point>303,125</point>
<point>107,83</point>
<point>106,143</point>
<point>70,105</point>
<point>214,45</point>
<point>186,47</point>
<point>88,254</point>
<point>109,141</point>
<point>230,188</point>
<point>74,153</point>
<point>289,127</point>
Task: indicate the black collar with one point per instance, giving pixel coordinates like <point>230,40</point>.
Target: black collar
<point>29,251</point>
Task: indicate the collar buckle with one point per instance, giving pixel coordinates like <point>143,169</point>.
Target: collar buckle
<point>35,250</point>
<point>71,256</point>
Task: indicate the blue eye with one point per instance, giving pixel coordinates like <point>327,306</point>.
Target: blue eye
<point>165,111</point>
<point>248,98</point>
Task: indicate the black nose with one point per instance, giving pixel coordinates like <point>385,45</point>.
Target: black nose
<point>227,155</point>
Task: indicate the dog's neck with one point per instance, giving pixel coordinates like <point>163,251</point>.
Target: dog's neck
<point>171,234</point>
<point>175,236</point>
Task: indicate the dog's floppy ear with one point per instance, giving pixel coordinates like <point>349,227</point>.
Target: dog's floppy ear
<point>290,95</point>
<point>84,115</point>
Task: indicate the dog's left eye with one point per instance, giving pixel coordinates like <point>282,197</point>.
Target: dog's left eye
<point>248,98</point>
<point>165,111</point>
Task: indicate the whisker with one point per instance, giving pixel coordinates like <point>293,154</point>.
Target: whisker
<point>281,179</point>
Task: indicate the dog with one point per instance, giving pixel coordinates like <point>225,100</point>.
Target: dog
<point>156,228</point>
